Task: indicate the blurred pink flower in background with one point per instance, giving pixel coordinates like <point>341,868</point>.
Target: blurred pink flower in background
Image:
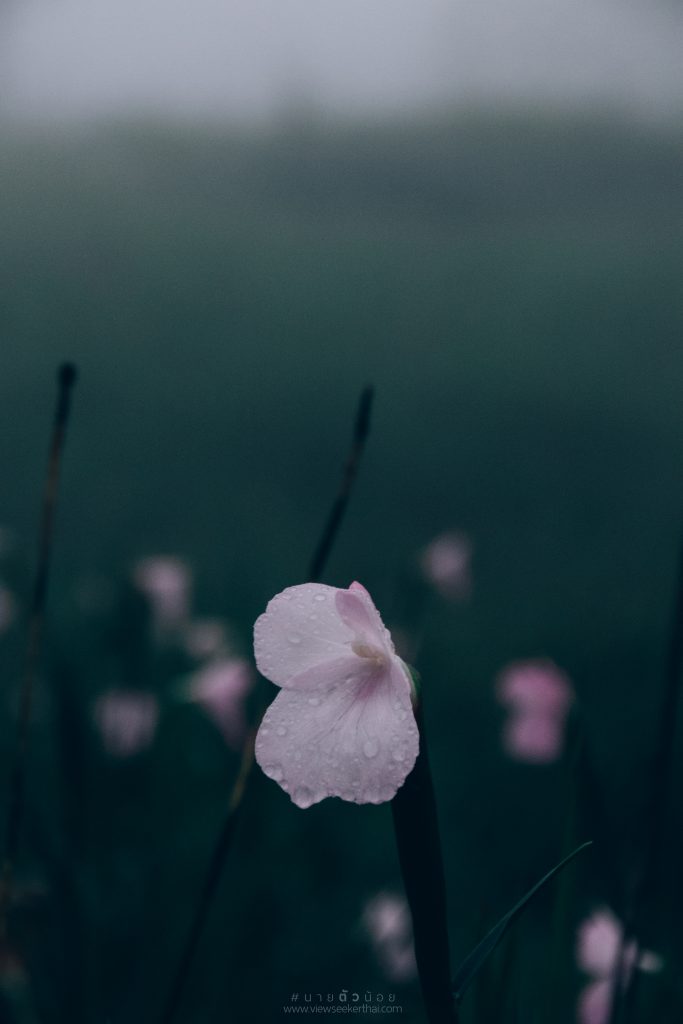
<point>538,696</point>
<point>220,688</point>
<point>166,581</point>
<point>8,608</point>
<point>386,919</point>
<point>598,952</point>
<point>127,720</point>
<point>595,1002</point>
<point>206,638</point>
<point>343,723</point>
<point>599,942</point>
<point>447,564</point>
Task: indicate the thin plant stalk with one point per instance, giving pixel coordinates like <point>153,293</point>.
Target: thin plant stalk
<point>211,880</point>
<point>419,850</point>
<point>655,817</point>
<point>66,378</point>
<point>223,844</point>
<point>334,520</point>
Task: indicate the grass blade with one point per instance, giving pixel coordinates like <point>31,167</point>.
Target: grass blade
<point>473,962</point>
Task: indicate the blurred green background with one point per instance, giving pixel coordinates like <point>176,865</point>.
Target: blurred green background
<point>511,284</point>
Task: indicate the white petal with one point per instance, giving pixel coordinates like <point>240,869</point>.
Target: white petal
<point>300,630</point>
<point>357,740</point>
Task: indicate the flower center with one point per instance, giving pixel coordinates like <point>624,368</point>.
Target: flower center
<point>368,651</point>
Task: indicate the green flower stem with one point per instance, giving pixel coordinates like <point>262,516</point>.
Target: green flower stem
<point>66,378</point>
<point>419,851</point>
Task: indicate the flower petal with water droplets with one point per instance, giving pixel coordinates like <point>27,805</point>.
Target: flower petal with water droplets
<point>300,630</point>
<point>358,742</point>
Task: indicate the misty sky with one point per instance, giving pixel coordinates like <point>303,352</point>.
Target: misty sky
<point>256,57</point>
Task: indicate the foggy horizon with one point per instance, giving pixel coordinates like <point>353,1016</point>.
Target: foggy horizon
<point>253,59</point>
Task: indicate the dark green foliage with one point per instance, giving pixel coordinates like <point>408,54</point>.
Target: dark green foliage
<point>512,287</point>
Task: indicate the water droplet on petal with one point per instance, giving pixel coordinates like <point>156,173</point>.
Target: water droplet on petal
<point>275,772</point>
<point>314,701</point>
<point>371,748</point>
<point>294,638</point>
<point>397,756</point>
<point>281,730</point>
<point>319,597</point>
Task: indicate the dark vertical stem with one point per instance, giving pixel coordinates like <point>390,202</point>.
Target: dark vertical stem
<point>419,850</point>
<point>210,884</point>
<point>66,378</point>
<point>360,433</point>
<point>655,816</point>
<point>224,842</point>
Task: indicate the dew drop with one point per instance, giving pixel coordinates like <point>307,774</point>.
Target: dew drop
<point>294,638</point>
<point>281,730</point>
<point>397,756</point>
<point>314,701</point>
<point>371,748</point>
<point>319,597</point>
<point>275,772</point>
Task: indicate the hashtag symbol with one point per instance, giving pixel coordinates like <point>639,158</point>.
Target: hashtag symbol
<point>295,996</point>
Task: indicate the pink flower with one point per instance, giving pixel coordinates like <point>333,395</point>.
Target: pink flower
<point>598,952</point>
<point>595,1002</point>
<point>538,695</point>
<point>205,638</point>
<point>343,724</point>
<point>220,689</point>
<point>127,720</point>
<point>536,739</point>
<point>166,582</point>
<point>446,563</point>
<point>387,920</point>
<point>599,943</point>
